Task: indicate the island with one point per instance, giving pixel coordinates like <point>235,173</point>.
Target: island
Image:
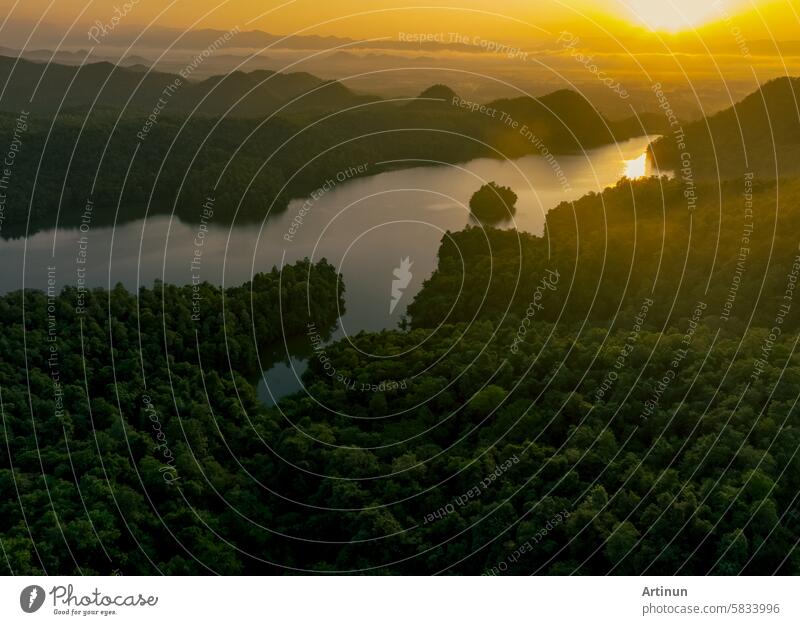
<point>493,203</point>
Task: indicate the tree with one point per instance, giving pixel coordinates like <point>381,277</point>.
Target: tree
<point>492,203</point>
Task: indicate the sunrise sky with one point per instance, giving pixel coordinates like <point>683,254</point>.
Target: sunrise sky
<point>510,19</point>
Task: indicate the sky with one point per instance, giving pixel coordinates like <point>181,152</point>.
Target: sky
<point>516,20</point>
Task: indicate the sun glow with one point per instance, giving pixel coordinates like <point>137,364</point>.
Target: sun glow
<point>636,167</point>
<point>675,15</point>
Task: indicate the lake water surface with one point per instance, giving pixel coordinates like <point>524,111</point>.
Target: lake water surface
<point>365,227</point>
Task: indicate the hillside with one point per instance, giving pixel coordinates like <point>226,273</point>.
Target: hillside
<point>76,155</point>
<point>469,440</point>
<point>53,87</point>
<point>760,134</point>
<point>628,243</point>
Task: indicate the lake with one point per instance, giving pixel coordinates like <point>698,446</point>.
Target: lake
<point>366,227</point>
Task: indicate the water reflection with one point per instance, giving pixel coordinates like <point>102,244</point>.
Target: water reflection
<point>542,191</point>
<point>636,167</point>
<point>364,227</point>
<point>642,166</point>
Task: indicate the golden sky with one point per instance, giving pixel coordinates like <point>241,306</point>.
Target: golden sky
<point>507,19</point>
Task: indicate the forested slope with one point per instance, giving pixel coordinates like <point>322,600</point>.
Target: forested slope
<point>627,429</point>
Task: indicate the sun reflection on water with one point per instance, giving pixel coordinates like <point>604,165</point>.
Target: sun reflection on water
<point>636,167</point>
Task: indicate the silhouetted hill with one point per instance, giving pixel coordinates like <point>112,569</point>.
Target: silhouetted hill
<point>564,119</point>
<point>437,99</point>
<point>438,92</point>
<point>760,134</point>
<point>560,122</point>
<point>44,88</point>
<point>563,116</point>
<point>77,155</point>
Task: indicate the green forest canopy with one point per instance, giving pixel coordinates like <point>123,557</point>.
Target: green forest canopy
<point>634,429</point>
<point>493,203</point>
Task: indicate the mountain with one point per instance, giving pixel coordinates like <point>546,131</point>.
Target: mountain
<point>438,126</point>
<point>46,88</point>
<point>78,57</point>
<point>438,98</point>
<point>166,38</point>
<point>58,56</point>
<point>760,134</point>
<point>438,92</point>
<point>564,121</point>
<point>135,60</point>
<point>564,114</point>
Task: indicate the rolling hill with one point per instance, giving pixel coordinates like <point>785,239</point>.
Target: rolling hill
<point>760,134</point>
<point>44,89</point>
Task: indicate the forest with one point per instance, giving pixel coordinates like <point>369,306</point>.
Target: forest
<point>159,154</point>
<point>616,396</point>
<point>759,135</point>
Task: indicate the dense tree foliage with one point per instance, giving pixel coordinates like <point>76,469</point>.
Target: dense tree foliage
<point>618,395</point>
<point>111,399</point>
<point>414,492</point>
<point>47,88</point>
<point>760,134</point>
<point>133,162</point>
<point>493,203</point>
<point>736,252</point>
<point>631,428</point>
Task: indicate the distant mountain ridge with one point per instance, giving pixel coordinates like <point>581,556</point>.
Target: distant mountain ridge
<point>167,38</point>
<point>285,156</point>
<point>45,88</point>
<point>564,118</point>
